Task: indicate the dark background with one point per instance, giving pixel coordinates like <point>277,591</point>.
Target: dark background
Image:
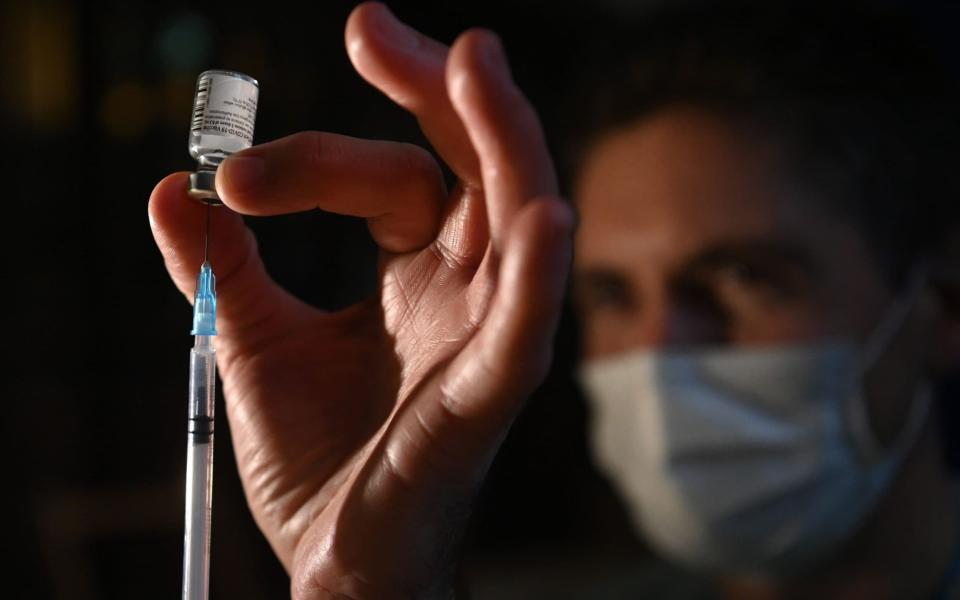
<point>96,106</point>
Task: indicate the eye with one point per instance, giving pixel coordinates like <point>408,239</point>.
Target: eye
<point>741,274</point>
<point>742,285</point>
<point>602,291</point>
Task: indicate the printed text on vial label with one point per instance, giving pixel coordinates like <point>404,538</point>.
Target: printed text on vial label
<point>231,116</point>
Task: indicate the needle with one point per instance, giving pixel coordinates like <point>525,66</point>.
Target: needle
<point>206,236</point>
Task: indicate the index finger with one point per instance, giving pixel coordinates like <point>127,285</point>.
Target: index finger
<point>397,187</point>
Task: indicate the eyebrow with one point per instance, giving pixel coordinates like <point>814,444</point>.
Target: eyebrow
<point>781,252</point>
<point>716,256</point>
<point>597,276</point>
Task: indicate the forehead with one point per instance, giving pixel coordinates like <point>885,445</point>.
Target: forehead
<point>680,179</point>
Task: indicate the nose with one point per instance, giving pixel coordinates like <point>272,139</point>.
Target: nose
<point>675,324</point>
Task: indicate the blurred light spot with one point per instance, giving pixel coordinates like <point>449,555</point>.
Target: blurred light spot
<point>127,110</point>
<point>44,84</point>
<point>184,44</point>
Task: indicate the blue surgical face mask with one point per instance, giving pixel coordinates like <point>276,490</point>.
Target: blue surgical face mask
<point>756,461</point>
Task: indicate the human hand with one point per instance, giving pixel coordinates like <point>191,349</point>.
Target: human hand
<point>362,435</point>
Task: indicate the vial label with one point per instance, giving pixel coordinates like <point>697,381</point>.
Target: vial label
<point>225,106</point>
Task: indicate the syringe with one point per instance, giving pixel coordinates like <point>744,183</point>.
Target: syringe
<point>199,490</point>
<point>224,110</point>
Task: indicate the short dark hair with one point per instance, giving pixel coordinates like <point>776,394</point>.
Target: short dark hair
<point>865,106</point>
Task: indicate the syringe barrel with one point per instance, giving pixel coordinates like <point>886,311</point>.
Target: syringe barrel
<point>199,481</point>
<point>203,377</point>
<point>196,535</point>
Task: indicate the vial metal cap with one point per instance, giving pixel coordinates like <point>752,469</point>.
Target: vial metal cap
<point>203,187</point>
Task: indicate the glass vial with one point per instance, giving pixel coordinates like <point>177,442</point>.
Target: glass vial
<point>224,112</point>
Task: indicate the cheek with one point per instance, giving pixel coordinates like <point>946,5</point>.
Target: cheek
<point>850,292</point>
<point>779,325</point>
<point>612,332</point>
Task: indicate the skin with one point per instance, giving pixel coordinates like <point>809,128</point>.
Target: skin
<point>693,234</point>
<point>362,435</point>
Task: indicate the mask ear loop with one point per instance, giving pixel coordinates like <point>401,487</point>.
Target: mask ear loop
<point>859,423</point>
<point>866,440</point>
<point>893,321</point>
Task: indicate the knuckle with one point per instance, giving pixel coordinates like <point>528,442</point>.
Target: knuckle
<point>320,149</point>
<point>309,150</point>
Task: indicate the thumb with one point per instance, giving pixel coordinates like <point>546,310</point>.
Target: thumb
<point>250,304</point>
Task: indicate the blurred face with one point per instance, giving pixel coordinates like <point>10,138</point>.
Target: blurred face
<point>692,234</point>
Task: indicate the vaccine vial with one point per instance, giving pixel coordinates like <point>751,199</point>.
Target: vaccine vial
<point>224,112</point>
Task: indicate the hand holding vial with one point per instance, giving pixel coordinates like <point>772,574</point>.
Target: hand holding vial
<point>362,435</point>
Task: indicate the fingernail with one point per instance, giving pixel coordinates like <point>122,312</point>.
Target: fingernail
<point>396,33</point>
<point>493,56</point>
<point>243,173</point>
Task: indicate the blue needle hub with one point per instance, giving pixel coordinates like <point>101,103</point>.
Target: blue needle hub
<point>205,303</point>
